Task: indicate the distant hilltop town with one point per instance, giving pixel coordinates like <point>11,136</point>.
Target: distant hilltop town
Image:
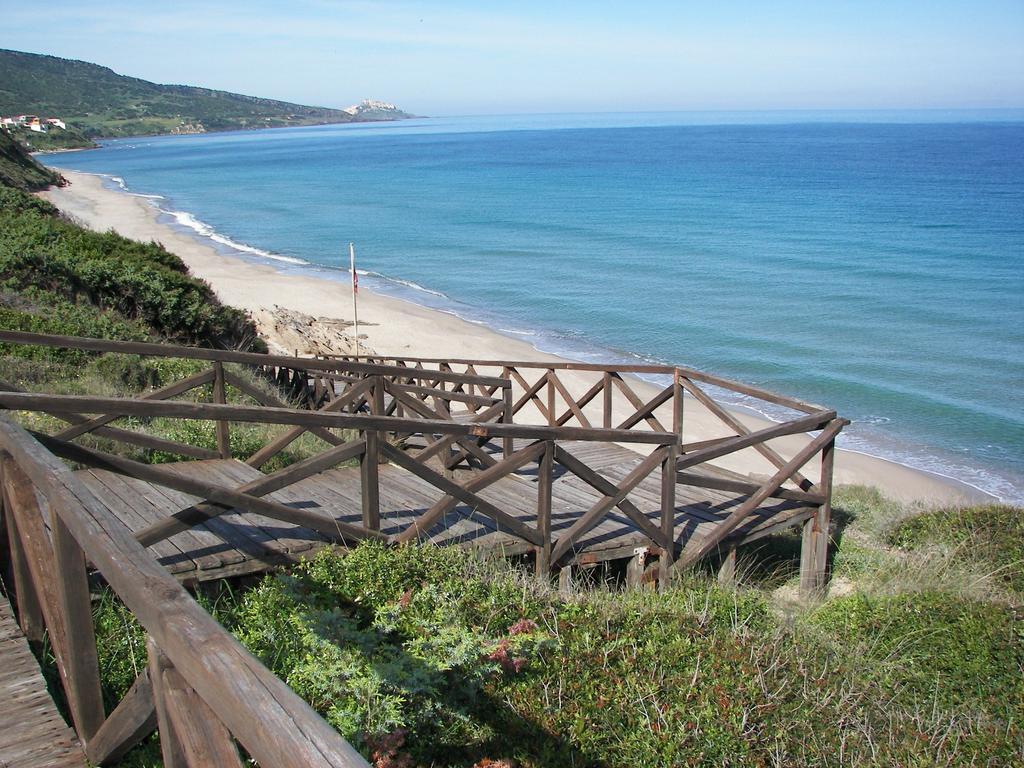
<point>32,123</point>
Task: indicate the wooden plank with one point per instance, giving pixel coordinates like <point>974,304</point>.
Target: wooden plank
<point>184,519</point>
<point>32,732</point>
<point>226,497</point>
<point>132,720</point>
<point>130,501</point>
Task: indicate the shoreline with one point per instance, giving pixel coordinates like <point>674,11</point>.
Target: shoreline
<point>396,327</point>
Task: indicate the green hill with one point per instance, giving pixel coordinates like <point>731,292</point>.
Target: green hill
<point>98,102</point>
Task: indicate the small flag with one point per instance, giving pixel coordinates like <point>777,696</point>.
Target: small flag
<point>355,275</point>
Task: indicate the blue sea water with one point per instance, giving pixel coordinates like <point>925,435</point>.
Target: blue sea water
<point>872,262</point>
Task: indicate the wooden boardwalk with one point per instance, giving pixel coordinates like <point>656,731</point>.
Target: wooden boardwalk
<point>239,543</point>
<point>564,463</point>
<point>32,732</point>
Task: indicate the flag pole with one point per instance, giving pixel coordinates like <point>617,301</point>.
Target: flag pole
<point>355,294</point>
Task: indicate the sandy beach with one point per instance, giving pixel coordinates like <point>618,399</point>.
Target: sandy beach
<point>397,328</point>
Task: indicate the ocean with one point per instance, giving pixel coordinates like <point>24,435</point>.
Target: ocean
<point>871,262</point>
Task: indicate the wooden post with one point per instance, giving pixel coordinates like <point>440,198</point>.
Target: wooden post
<point>668,515</point>
<point>370,481</point>
<point>814,547</point>
<point>72,587</point>
<point>607,400</point>
<point>507,444</point>
<point>170,746</point>
<point>565,580</point>
<point>545,478</point>
<point>220,396</point>
<point>677,405</point>
<point>130,722</point>
<point>635,567</point>
<point>30,614</point>
<point>727,570</point>
<point>552,417</point>
<point>378,396</point>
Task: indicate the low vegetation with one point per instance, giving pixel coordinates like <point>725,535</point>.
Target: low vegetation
<point>420,656</point>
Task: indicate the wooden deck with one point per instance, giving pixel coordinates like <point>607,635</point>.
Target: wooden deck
<point>239,543</point>
<point>32,732</point>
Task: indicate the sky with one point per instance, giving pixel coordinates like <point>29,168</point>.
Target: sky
<point>462,57</point>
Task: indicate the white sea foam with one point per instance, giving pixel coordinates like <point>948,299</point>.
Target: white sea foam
<point>201,228</point>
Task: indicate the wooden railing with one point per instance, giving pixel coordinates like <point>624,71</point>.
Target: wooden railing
<point>201,688</point>
<point>461,432</point>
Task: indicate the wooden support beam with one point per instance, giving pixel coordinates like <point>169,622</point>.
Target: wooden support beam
<point>82,685</point>
<point>646,411</point>
<point>726,527</point>
<point>727,570</point>
<point>170,746</point>
<point>173,390</point>
<point>574,408</point>
<point>30,614</point>
<point>220,397</point>
<point>197,514</point>
<point>132,720</point>
<point>636,402</point>
<point>241,413</point>
<point>463,494</point>
<point>605,486</point>
<point>752,439</point>
<point>545,480</point>
<point>746,487</point>
<point>668,515</point>
<point>428,519</point>
<point>198,731</point>
<point>369,481</point>
<point>741,429</point>
<point>814,546</point>
<point>594,515</point>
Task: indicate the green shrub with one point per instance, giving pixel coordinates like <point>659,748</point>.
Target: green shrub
<point>990,536</point>
<point>136,281</point>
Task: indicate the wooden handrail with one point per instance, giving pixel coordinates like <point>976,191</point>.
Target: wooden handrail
<point>79,404</point>
<point>150,349</point>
